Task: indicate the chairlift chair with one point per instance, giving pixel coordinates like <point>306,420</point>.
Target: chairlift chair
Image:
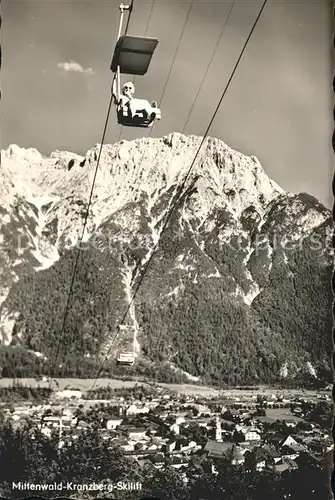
<point>139,120</point>
<point>132,56</point>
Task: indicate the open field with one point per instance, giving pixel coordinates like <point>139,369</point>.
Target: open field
<point>192,390</point>
<point>269,391</point>
<point>87,384</point>
<point>273,414</point>
<point>83,384</point>
<point>186,389</point>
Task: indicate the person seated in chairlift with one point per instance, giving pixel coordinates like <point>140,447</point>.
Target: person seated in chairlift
<point>134,105</point>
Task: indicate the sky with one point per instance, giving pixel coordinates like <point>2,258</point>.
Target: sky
<point>56,78</point>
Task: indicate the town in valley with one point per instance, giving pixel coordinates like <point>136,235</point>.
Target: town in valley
<point>259,429</point>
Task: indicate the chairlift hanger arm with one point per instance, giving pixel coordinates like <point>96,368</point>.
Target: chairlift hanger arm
<point>130,9</point>
<point>116,91</point>
<point>123,8</point>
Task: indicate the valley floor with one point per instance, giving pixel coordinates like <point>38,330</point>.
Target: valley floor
<point>186,389</point>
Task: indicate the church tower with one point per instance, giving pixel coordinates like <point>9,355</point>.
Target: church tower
<point>218,431</point>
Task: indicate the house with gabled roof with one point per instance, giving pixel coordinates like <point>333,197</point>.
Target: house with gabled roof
<point>307,458</point>
<point>263,456</point>
<point>237,457</point>
<point>188,446</point>
<point>271,453</point>
<point>291,449</point>
<point>177,462</point>
<point>154,444</point>
<point>227,450</point>
<point>289,441</point>
<point>216,449</point>
<point>175,428</point>
<point>286,464</point>
<point>169,446</point>
<point>134,409</point>
<point>136,433</point>
<point>252,434</point>
<point>143,462</point>
<point>113,422</point>
<point>158,460</point>
<point>124,444</point>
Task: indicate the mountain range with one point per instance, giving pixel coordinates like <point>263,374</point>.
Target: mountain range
<point>232,275</point>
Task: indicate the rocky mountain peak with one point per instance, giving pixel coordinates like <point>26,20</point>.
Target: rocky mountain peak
<point>210,250</point>
<point>58,186</point>
<point>146,164</point>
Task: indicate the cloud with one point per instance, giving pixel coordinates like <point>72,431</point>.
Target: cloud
<point>73,66</point>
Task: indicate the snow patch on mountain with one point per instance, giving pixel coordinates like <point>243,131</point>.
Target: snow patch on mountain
<point>284,370</point>
<point>311,369</point>
<point>190,377</point>
<point>7,326</point>
<point>176,290</point>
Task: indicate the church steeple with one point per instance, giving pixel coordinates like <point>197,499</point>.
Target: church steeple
<point>218,430</point>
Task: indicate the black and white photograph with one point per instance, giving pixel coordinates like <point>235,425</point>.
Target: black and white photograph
<point>166,249</point>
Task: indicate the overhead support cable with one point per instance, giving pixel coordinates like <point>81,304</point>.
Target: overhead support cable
<point>181,187</point>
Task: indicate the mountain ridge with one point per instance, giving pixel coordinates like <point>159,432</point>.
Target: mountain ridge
<point>220,247</point>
